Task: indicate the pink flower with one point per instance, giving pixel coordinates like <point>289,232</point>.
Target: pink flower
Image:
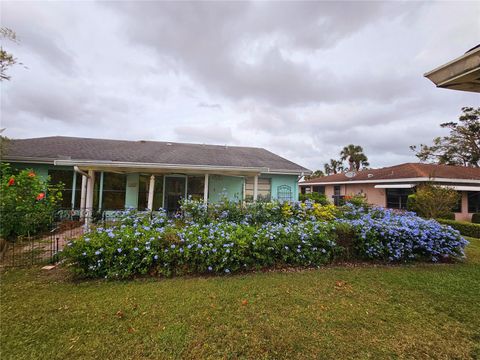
<point>40,196</point>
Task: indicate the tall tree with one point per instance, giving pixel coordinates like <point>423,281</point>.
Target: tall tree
<point>333,167</point>
<point>460,147</point>
<point>6,59</point>
<point>315,174</point>
<point>355,156</point>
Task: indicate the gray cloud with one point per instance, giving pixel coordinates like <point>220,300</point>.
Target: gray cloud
<point>301,79</point>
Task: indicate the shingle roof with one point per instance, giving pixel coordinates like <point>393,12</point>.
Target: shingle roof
<point>404,171</point>
<point>61,148</point>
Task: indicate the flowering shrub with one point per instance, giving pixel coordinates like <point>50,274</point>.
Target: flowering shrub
<point>138,244</point>
<point>27,202</point>
<point>394,236</point>
<point>224,238</point>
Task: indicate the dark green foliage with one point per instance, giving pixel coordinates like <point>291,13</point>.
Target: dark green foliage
<point>315,197</point>
<point>476,218</point>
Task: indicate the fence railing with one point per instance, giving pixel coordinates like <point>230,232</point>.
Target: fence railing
<point>41,247</point>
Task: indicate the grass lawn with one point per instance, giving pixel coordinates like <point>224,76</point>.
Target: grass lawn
<point>416,311</point>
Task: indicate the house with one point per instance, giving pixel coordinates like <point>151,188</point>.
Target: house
<point>390,186</point>
<point>104,174</point>
<point>462,73</point>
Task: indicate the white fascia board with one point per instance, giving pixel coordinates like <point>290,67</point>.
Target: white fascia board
<point>118,164</point>
<point>421,179</point>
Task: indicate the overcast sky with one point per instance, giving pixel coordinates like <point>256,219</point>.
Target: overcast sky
<point>299,79</point>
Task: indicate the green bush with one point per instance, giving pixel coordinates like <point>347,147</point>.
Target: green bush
<point>27,202</point>
<point>476,218</point>
<point>465,228</point>
<point>432,201</point>
<point>315,197</point>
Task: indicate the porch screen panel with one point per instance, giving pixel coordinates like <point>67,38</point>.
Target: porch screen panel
<point>195,187</point>
<point>264,189</point>
<point>144,184</point>
<point>114,188</point>
<point>66,178</point>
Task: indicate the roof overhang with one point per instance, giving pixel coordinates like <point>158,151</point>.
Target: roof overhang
<point>463,73</point>
<point>406,180</point>
<point>130,167</point>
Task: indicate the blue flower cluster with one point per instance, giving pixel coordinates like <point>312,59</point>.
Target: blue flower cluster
<point>226,239</point>
<point>394,236</point>
<point>138,244</point>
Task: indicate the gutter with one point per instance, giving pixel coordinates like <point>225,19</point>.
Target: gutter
<point>76,169</point>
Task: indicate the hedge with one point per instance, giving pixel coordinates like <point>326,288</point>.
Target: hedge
<point>476,218</point>
<point>465,228</point>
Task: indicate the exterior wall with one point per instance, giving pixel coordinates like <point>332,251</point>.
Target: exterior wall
<point>131,191</point>
<point>279,180</point>
<point>373,196</point>
<point>229,186</point>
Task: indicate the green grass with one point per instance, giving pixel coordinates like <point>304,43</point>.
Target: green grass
<point>413,311</point>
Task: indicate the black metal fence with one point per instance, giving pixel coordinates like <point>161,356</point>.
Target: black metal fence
<point>44,246</point>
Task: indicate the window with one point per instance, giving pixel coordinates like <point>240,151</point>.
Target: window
<point>114,186</point>
<point>66,178</point>
<point>336,195</point>
<point>195,187</point>
<point>143,186</point>
<point>264,189</point>
<point>473,201</point>
<point>397,198</point>
<point>284,193</point>
<point>319,189</point>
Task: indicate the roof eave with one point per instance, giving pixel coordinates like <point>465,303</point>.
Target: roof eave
<point>462,73</point>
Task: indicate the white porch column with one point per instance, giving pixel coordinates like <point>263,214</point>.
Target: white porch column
<point>255,188</point>
<point>205,190</point>
<point>151,189</point>
<point>83,197</point>
<point>89,199</point>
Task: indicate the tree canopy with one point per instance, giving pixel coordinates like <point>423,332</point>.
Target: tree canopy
<point>460,147</point>
<point>355,156</point>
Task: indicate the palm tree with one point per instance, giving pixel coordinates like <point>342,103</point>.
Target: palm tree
<point>355,156</point>
<point>333,167</point>
<point>315,174</point>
